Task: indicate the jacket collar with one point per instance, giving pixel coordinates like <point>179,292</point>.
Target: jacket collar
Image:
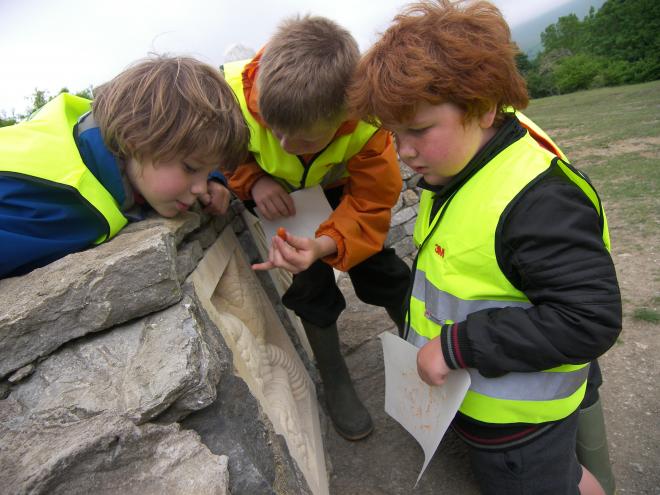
<point>105,166</point>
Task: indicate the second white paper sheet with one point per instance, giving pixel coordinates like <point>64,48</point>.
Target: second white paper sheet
<point>424,411</point>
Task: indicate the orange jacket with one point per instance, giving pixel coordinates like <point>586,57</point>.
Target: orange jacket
<point>360,223</point>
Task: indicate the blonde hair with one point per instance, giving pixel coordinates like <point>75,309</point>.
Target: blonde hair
<point>167,107</point>
<point>303,73</point>
<point>435,52</point>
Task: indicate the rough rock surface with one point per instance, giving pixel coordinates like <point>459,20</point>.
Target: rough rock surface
<point>103,352</point>
<point>234,425</point>
<point>137,370</point>
<point>106,454</point>
<point>92,290</point>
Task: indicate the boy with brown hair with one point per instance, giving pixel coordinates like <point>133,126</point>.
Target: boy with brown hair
<point>293,97</point>
<point>513,280</point>
<point>75,173</point>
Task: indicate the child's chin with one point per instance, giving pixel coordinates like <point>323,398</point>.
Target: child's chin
<point>168,213</point>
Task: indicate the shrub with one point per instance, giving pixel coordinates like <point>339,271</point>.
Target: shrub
<point>577,72</point>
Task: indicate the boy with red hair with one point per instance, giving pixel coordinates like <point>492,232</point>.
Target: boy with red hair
<point>513,279</point>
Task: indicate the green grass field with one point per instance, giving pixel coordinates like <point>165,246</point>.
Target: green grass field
<point>613,135</point>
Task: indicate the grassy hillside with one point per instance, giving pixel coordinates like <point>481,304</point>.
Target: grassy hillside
<point>613,135</point>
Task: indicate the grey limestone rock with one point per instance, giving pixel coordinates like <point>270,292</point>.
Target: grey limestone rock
<point>187,258</point>
<point>133,275</point>
<point>405,247</point>
<point>106,454</point>
<point>404,215</point>
<point>169,360</point>
<point>395,234</point>
<point>406,172</point>
<point>398,205</point>
<point>235,425</point>
<point>410,197</point>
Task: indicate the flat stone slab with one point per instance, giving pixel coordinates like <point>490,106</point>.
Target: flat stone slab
<point>170,360</point>
<point>133,275</point>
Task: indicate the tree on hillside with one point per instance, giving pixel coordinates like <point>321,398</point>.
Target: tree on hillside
<point>629,30</point>
<point>5,120</point>
<point>618,44</point>
<point>566,34</point>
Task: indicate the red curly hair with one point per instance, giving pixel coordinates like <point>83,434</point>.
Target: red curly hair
<point>438,52</point>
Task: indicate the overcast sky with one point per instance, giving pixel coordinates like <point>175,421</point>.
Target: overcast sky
<point>50,44</point>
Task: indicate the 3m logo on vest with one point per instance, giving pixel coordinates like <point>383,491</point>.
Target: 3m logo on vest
<point>439,250</point>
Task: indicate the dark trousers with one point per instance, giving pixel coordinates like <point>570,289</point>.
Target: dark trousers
<point>381,280</point>
<point>546,465</point>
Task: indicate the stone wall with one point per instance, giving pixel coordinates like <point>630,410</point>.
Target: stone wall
<point>154,363</point>
<point>404,215</point>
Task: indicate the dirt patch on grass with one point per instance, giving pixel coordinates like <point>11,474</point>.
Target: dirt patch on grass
<point>647,147</point>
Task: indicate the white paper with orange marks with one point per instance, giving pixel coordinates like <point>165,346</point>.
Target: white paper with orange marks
<point>312,209</point>
<point>423,410</point>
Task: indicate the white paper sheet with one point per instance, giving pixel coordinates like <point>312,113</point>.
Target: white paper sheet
<point>312,209</point>
<point>423,410</point>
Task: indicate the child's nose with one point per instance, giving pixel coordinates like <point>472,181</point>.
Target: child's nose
<point>405,149</point>
<point>199,186</point>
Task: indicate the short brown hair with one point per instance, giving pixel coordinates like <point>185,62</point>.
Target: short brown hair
<point>438,52</point>
<point>304,72</point>
<point>165,107</point>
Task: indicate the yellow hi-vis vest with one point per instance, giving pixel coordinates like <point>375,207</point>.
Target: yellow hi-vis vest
<point>43,149</point>
<point>457,274</point>
<point>328,166</point>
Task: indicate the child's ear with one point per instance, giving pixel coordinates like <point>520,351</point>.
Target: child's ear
<point>487,119</point>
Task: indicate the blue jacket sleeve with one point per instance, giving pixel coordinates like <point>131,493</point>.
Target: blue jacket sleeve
<point>40,224</point>
<point>218,177</point>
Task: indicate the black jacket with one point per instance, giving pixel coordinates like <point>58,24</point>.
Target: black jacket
<point>549,245</point>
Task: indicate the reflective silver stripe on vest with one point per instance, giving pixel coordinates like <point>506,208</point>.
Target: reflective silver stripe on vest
<point>543,386</point>
<point>441,306</point>
<point>536,386</point>
<point>532,386</point>
<point>416,339</point>
<point>85,122</point>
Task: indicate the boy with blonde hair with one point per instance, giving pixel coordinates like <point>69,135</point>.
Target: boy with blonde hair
<point>75,173</point>
<point>513,280</point>
<point>293,97</point>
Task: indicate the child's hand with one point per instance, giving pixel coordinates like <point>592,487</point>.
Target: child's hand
<point>296,254</point>
<point>216,199</point>
<point>431,365</point>
<point>272,199</point>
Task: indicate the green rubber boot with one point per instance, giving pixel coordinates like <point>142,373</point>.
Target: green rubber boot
<point>591,448</point>
<point>349,416</point>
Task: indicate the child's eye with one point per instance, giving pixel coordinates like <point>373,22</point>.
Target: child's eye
<point>419,131</point>
<point>189,169</point>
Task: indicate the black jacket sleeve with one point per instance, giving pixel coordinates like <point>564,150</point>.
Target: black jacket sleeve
<point>549,245</point>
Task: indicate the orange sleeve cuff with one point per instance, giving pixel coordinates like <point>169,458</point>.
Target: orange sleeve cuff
<point>361,221</point>
<point>241,180</point>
